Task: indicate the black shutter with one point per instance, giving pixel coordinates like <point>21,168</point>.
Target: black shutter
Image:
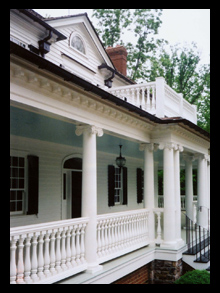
<point>125,186</point>
<point>33,177</point>
<point>111,185</point>
<point>139,185</point>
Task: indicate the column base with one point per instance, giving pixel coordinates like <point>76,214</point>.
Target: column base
<point>93,268</point>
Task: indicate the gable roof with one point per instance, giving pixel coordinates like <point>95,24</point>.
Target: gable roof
<point>83,18</point>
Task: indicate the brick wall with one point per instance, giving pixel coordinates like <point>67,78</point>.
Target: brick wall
<point>155,272</point>
<point>140,276</point>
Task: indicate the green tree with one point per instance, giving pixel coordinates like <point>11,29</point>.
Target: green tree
<point>111,24</point>
<point>181,70</point>
<point>142,24</point>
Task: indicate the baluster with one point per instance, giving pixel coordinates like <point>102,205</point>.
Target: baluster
<point>78,245</point>
<point>68,250</point>
<point>138,97</point>
<point>148,98</point>
<point>20,266</point>
<point>83,243</point>
<point>122,231</point>
<point>34,263</point>
<point>158,240</point>
<point>99,239</point>
<point>27,260</point>
<point>128,95</point>
<point>13,260</point>
<point>47,254</point>
<point>153,97</point>
<point>52,252</point>
<point>73,247</point>
<point>110,235</point>
<point>132,97</point>
<point>40,256</point>
<point>106,237</point>
<point>58,254</point>
<point>102,238</point>
<point>143,98</point>
<point>116,234</point>
<point>63,249</point>
<point>113,234</point>
<point>125,231</point>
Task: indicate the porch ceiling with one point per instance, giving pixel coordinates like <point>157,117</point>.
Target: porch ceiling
<point>36,126</point>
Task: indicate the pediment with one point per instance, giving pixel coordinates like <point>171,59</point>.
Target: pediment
<point>79,27</point>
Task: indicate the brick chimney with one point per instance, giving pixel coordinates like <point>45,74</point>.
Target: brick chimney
<point>118,56</point>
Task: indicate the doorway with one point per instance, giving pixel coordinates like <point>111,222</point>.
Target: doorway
<point>72,188</point>
<point>76,193</point>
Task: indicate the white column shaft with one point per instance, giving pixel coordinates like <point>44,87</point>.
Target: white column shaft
<point>169,198</point>
<point>149,187</point>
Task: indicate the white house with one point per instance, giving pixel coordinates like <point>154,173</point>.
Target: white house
<point>76,215</point>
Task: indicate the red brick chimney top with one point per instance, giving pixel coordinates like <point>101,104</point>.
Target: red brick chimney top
<point>118,56</point>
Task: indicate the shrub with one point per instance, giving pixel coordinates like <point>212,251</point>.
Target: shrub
<point>194,277</point>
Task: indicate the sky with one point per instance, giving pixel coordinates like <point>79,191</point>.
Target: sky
<point>182,26</point>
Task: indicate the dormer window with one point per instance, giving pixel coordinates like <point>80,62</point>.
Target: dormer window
<point>77,43</point>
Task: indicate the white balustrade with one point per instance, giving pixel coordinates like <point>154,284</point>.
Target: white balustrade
<point>141,95</point>
<point>120,233</point>
<point>47,252</point>
<point>145,96</point>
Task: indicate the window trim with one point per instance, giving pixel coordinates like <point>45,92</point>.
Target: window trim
<point>20,154</point>
<point>76,34</point>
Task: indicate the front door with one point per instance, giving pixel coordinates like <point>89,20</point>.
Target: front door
<point>76,193</point>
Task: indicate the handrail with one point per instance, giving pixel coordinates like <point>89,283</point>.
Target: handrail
<point>197,240</point>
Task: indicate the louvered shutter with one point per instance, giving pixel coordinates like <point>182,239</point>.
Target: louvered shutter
<point>125,186</point>
<point>33,178</point>
<point>111,185</point>
<point>139,185</point>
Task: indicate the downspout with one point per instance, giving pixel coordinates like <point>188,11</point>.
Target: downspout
<point>44,46</point>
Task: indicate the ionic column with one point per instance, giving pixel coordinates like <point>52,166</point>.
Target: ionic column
<point>202,182</point>
<point>169,194</point>
<point>177,150</point>
<point>149,184</point>
<point>89,191</point>
<point>189,184</point>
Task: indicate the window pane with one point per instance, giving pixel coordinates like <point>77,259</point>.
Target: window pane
<point>21,162</point>
<point>19,205</point>
<point>12,195</point>
<point>21,183</point>
<point>12,206</point>
<point>19,195</point>
<point>14,172</point>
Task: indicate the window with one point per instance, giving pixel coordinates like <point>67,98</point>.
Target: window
<point>77,43</point>
<point>140,185</point>
<point>118,185</point>
<point>17,184</point>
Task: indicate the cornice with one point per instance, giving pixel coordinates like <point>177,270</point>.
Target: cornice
<point>31,78</point>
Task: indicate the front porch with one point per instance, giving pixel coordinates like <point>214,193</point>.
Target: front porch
<point>48,242</point>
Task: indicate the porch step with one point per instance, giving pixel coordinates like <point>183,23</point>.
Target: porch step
<point>196,248</point>
<point>198,260</point>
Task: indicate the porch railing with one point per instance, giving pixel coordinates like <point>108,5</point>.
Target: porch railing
<point>157,98</point>
<point>120,233</point>
<point>47,252</point>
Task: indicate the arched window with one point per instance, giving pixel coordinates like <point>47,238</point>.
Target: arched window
<point>77,43</point>
<point>73,163</point>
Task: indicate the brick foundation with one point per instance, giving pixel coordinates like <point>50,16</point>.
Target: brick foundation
<point>156,272</point>
<point>140,276</point>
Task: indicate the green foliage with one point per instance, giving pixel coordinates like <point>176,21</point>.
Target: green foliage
<point>147,57</point>
<point>194,277</point>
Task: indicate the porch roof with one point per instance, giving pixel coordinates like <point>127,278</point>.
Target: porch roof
<point>87,86</point>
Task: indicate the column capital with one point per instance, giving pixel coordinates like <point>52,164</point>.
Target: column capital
<point>90,129</point>
<point>202,157</point>
<point>171,145</point>
<point>150,146</point>
<point>189,157</point>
